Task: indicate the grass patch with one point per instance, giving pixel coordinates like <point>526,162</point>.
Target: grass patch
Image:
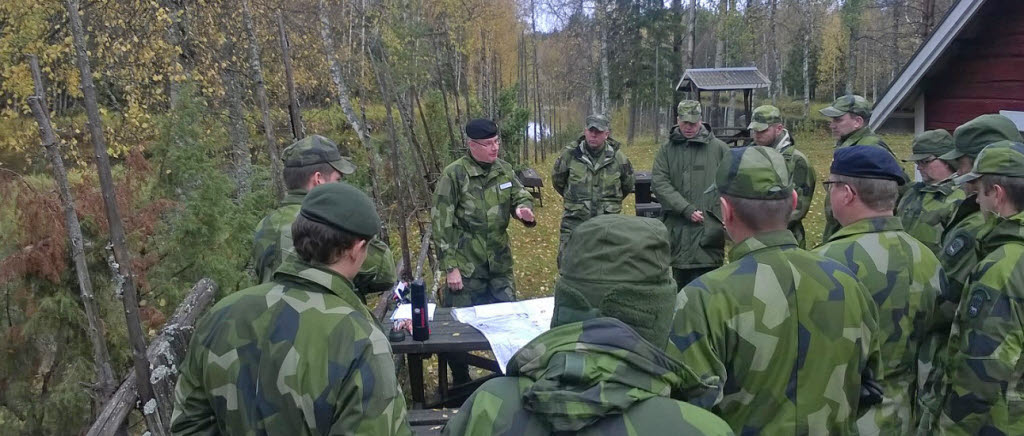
<point>535,249</point>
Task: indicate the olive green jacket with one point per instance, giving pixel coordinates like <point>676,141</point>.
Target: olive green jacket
<point>683,171</point>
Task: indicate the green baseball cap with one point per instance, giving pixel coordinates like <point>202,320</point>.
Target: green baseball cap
<point>689,111</point>
<point>758,173</point>
<point>764,117</point>
<point>599,122</point>
<point>849,103</point>
<point>1003,158</point>
<point>930,143</point>
<point>315,149</point>
<point>342,207</point>
<point>971,137</point>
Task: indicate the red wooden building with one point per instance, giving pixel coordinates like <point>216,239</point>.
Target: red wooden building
<point>972,64</point>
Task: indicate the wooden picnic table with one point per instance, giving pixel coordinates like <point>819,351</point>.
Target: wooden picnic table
<point>429,422</point>
<point>450,340</point>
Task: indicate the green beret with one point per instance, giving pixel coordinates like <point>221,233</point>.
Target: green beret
<point>343,207</point>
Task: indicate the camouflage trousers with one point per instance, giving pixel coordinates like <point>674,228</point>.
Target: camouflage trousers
<point>684,276</point>
<point>480,290</point>
<point>476,291</point>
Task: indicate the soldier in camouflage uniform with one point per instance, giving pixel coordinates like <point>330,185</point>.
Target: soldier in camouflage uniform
<point>902,275</point>
<point>310,162</point>
<point>474,199</point>
<point>299,355</point>
<point>600,370</point>
<point>768,131</point>
<point>961,247</point>
<point>965,243</point>
<point>984,391</point>
<point>683,169</point>
<point>788,337</point>
<point>928,205</point>
<point>850,115</point>
<point>593,177</point>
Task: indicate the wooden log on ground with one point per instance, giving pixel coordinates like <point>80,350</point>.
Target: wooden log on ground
<point>164,352</point>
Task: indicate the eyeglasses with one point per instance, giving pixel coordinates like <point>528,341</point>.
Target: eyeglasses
<point>924,162</point>
<point>497,142</point>
<point>828,183</point>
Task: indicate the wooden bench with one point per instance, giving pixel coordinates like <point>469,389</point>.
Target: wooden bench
<point>429,421</point>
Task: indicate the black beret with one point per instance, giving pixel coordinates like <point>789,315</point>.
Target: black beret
<point>343,207</point>
<point>867,162</point>
<point>481,128</point>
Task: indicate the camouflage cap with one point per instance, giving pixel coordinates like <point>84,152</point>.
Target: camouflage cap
<point>1003,158</point>
<point>599,122</point>
<point>764,117</point>
<point>930,143</point>
<point>849,103</point>
<point>618,266</point>
<point>689,111</point>
<point>315,149</point>
<point>758,173</point>
<point>971,137</point>
<point>343,207</point>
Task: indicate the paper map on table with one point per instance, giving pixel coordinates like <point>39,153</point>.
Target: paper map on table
<point>509,326</point>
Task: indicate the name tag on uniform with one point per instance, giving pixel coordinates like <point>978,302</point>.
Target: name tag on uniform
<point>505,185</point>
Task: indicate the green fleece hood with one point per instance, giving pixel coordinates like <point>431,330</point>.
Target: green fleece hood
<point>588,370</point>
<point>618,266</point>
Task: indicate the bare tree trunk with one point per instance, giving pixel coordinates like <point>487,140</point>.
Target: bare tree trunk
<point>447,111</point>
<point>167,350</point>
<point>276,169</point>
<point>105,384</point>
<point>723,9</point>
<point>294,112</point>
<point>238,134</point>
<point>631,130</point>
<point>692,34</point>
<point>346,103</point>
<point>407,114</point>
<point>538,118</point>
<point>657,92</point>
<point>603,22</point>
<point>435,163</point>
<point>524,90</point>
<point>774,44</point>
<point>927,17</point>
<point>806,71</point>
<point>379,58</point>
<point>156,409</point>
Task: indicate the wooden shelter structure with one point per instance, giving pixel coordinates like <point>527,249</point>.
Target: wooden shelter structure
<point>745,79</point>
